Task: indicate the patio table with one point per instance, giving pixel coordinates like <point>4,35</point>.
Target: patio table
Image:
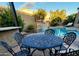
<point>41,41</point>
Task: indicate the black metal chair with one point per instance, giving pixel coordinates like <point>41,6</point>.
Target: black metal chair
<point>73,53</point>
<point>18,37</point>
<point>69,38</point>
<point>8,48</point>
<point>50,32</point>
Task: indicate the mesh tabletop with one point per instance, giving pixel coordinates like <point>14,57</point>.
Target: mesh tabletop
<point>41,41</point>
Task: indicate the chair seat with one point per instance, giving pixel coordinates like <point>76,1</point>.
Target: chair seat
<point>62,48</point>
<point>22,53</point>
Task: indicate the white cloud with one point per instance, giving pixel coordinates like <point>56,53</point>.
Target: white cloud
<point>28,5</point>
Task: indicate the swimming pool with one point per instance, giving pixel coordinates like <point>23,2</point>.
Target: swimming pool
<point>61,30</point>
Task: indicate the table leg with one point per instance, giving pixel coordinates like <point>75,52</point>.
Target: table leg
<point>50,52</point>
<point>29,50</point>
<point>33,51</point>
<point>44,52</point>
<point>58,51</point>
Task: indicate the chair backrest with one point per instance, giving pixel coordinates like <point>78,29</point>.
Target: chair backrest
<point>7,47</point>
<point>50,32</point>
<point>69,38</point>
<point>18,37</point>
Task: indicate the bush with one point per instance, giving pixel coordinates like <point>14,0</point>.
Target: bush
<point>39,14</point>
<point>30,29</point>
<point>53,23</point>
<point>20,22</point>
<point>70,18</point>
<point>65,22</point>
<point>7,20</point>
<point>56,21</point>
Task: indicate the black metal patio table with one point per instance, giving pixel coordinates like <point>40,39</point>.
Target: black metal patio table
<point>41,41</point>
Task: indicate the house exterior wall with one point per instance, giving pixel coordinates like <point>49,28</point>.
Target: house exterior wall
<point>28,19</point>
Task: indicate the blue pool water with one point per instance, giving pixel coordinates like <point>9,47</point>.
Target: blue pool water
<point>61,31</point>
<point>64,30</point>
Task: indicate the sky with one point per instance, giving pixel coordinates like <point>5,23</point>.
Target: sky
<point>70,7</point>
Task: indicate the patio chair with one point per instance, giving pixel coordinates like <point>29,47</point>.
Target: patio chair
<point>68,39</point>
<point>73,53</point>
<point>8,48</point>
<point>18,37</point>
<point>50,32</point>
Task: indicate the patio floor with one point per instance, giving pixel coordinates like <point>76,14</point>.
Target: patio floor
<point>3,52</point>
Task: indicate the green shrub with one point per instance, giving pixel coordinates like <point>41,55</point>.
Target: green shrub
<point>20,22</point>
<point>65,22</point>
<point>30,29</point>
<point>55,22</point>
<point>7,20</point>
<point>70,18</point>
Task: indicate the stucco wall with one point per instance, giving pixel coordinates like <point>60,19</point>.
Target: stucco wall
<point>28,19</point>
